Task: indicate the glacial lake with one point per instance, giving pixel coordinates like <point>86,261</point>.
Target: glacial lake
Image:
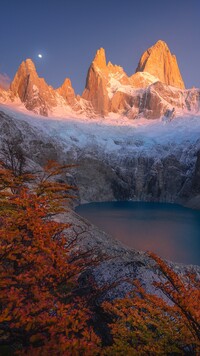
<point>171,231</point>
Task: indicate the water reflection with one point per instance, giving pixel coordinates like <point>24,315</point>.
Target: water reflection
<point>171,231</point>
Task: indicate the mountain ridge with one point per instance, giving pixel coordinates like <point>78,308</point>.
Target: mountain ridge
<point>155,90</point>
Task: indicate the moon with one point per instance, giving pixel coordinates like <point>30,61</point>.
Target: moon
<point>39,55</point>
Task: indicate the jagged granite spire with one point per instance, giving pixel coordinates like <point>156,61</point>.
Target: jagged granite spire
<point>159,62</point>
<point>35,93</point>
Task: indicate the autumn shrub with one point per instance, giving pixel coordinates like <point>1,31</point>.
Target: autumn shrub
<point>147,324</point>
<point>39,311</point>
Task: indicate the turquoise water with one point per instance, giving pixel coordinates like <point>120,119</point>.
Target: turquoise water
<point>171,231</point>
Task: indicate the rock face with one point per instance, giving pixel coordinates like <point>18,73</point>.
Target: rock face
<point>158,100</point>
<point>37,148</point>
<point>32,90</point>
<point>101,81</point>
<point>122,165</point>
<point>96,82</point>
<point>196,177</point>
<point>155,90</point>
<point>67,92</point>
<point>6,95</point>
<point>109,88</point>
<point>137,178</point>
<point>159,62</point>
<point>142,79</point>
<point>36,94</point>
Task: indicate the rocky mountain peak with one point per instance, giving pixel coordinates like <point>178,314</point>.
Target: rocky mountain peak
<point>25,70</point>
<point>161,43</point>
<point>95,90</point>
<point>100,58</point>
<point>33,91</point>
<point>114,68</point>
<point>67,92</point>
<point>102,80</point>
<point>159,62</point>
<point>65,86</point>
<point>29,65</point>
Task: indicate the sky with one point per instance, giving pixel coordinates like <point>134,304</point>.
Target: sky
<point>68,32</point>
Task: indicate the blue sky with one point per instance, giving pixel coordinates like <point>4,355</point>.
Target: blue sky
<point>68,33</point>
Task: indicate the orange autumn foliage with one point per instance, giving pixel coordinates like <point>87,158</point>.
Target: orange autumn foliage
<point>39,311</point>
<point>147,324</point>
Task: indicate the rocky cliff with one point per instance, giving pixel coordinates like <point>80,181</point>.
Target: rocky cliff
<point>36,94</point>
<point>67,92</point>
<point>32,90</point>
<point>158,61</point>
<point>154,162</point>
<point>96,83</point>
<point>159,100</point>
<point>108,87</point>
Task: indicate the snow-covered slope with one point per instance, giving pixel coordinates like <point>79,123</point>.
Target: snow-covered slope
<point>113,133</point>
<point>118,158</point>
